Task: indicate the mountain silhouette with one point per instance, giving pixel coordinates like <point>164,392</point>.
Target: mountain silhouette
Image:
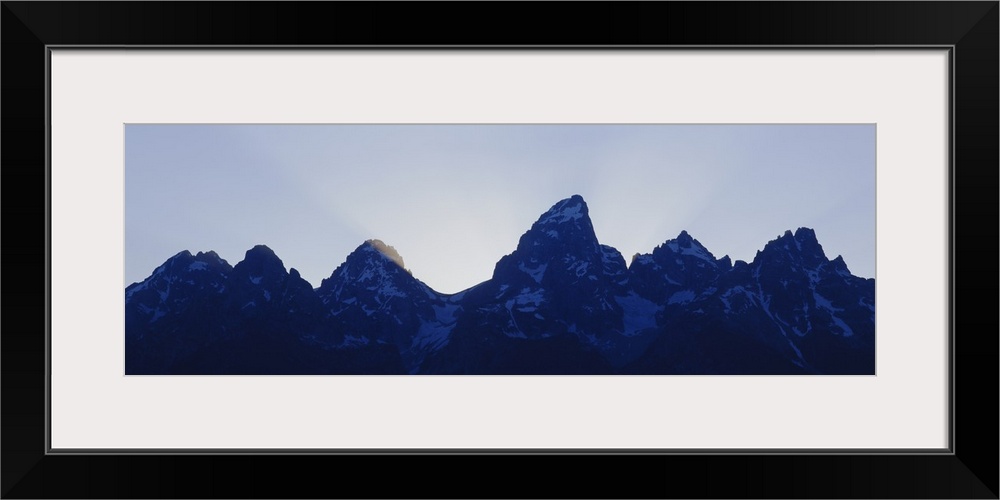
<point>560,303</point>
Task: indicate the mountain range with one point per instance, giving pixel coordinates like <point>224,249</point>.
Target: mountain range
<point>561,303</point>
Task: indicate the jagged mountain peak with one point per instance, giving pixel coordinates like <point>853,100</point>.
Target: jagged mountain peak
<point>562,237</point>
<point>687,245</point>
<point>210,256</point>
<point>685,240</point>
<point>675,269</point>
<point>387,251</point>
<point>175,262</point>
<point>374,266</point>
<point>560,303</point>
<point>181,280</point>
<point>805,235</point>
<point>184,261</point>
<point>801,245</point>
<point>840,267</point>
<point>372,256</point>
<point>374,252</point>
<point>567,222</point>
<point>566,210</point>
<point>182,255</point>
<point>262,257</point>
<point>260,252</point>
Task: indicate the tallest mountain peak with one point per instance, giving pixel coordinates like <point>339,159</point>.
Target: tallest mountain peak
<point>569,209</point>
<point>567,222</point>
<point>563,234</point>
<point>805,235</point>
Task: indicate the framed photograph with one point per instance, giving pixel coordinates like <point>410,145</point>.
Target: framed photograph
<point>452,197</point>
<point>731,250</point>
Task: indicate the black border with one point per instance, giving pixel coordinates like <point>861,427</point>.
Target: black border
<point>971,28</point>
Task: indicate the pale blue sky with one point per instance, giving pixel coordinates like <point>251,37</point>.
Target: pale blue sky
<point>454,199</point>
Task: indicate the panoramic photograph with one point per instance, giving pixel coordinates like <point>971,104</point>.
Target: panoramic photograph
<point>549,249</point>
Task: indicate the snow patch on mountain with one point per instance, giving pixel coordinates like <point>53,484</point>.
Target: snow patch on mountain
<point>681,297</point>
<point>536,272</point>
<point>564,213</point>
<point>805,312</point>
<point>433,335</point>
<point>579,268</point>
<point>798,353</point>
<point>530,297</point>
<point>870,307</point>
<point>825,303</point>
<point>729,295</point>
<point>847,331</point>
<point>696,251</point>
<point>157,314</point>
<point>352,341</point>
<point>638,313</point>
<point>165,293</point>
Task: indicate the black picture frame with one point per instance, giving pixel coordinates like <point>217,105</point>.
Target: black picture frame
<point>970,29</point>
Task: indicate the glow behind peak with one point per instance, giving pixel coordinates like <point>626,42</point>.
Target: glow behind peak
<point>456,198</point>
